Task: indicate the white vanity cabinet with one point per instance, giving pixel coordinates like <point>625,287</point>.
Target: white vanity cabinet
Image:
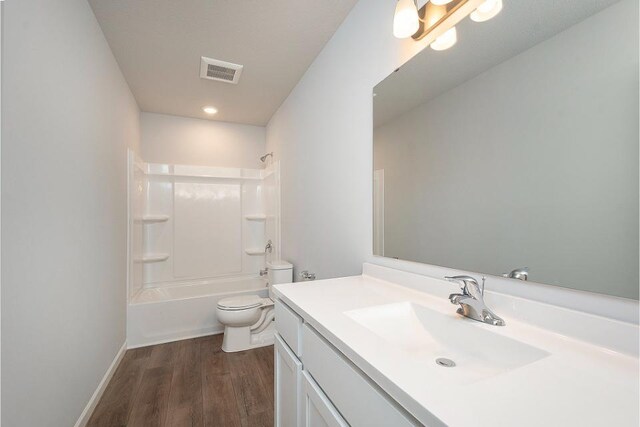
<point>315,385</point>
<point>288,380</point>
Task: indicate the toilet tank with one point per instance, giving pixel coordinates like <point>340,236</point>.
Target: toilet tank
<point>279,272</point>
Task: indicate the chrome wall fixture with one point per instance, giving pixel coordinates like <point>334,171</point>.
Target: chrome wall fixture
<point>408,21</point>
<point>306,276</point>
<point>264,158</point>
<point>519,273</point>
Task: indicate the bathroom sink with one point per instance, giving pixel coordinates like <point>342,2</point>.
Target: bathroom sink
<point>426,335</point>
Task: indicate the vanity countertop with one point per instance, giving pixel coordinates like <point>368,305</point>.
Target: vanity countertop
<point>574,382</point>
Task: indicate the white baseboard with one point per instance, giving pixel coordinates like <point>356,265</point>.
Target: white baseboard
<point>178,337</point>
<point>93,402</point>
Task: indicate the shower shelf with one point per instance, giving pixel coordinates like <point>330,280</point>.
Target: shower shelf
<point>151,219</point>
<point>255,217</point>
<point>255,251</point>
<point>153,258</point>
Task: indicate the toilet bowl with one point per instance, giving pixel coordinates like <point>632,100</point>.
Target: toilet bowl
<point>248,319</point>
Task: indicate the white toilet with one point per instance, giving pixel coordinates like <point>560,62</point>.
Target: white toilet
<point>248,319</point>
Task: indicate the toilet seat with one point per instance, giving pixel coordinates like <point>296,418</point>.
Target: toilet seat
<point>241,302</point>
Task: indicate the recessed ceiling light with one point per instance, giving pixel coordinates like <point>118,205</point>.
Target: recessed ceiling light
<point>209,110</point>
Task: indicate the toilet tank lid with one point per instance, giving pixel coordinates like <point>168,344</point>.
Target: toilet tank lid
<point>279,265</point>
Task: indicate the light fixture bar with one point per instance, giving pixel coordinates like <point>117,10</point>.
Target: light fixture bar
<point>432,16</point>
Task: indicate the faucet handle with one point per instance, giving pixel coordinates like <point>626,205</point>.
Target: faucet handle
<point>461,280</point>
<point>306,276</point>
<point>468,284</point>
<point>519,273</point>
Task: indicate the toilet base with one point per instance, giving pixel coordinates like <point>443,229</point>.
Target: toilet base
<point>241,338</point>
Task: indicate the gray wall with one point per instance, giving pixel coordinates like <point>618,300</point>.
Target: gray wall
<point>532,163</point>
<point>182,140</point>
<point>68,118</point>
<point>322,135</point>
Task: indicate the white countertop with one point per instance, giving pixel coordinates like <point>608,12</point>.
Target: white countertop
<point>578,383</point>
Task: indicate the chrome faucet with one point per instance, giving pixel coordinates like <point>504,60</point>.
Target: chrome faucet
<point>471,300</point>
<point>518,273</point>
<point>306,276</point>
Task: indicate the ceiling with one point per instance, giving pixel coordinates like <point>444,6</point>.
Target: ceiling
<point>158,45</point>
<point>481,46</point>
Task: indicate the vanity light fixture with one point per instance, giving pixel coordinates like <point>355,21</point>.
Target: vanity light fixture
<point>210,110</point>
<point>486,10</point>
<point>408,21</point>
<point>411,22</point>
<point>405,20</point>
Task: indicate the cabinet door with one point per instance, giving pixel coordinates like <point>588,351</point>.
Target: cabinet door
<point>317,409</point>
<point>288,377</point>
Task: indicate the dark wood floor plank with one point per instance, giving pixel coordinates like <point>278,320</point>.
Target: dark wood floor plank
<point>252,395</point>
<point>141,352</point>
<point>165,355</point>
<point>189,383</point>
<point>264,356</point>
<point>117,401</point>
<point>220,405</point>
<point>185,398</point>
<point>151,403</point>
<point>217,361</point>
<point>259,419</point>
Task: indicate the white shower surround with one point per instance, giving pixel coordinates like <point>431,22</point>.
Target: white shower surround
<point>197,235</point>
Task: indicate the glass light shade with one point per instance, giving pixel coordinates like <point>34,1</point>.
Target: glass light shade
<point>405,20</point>
<point>209,110</point>
<point>486,10</point>
<point>445,41</point>
<point>440,2</point>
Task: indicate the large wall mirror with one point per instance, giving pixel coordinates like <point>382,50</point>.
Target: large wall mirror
<point>517,147</point>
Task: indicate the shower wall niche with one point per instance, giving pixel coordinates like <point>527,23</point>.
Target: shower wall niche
<point>194,224</point>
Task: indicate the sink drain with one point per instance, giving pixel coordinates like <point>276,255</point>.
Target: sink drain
<point>447,363</point>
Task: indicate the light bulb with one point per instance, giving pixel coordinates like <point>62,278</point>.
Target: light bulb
<point>405,20</point>
<point>446,40</point>
<point>209,110</point>
<point>486,10</point>
<point>440,2</point>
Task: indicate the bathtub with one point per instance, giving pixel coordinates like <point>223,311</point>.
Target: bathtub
<point>185,310</point>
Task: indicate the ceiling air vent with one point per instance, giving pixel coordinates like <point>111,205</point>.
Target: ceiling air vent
<point>221,71</point>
